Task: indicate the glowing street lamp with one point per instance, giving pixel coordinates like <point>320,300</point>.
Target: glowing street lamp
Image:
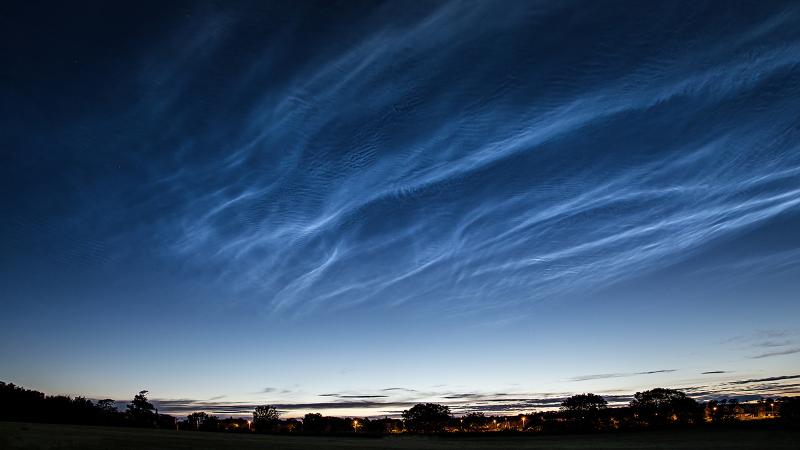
<point>523,423</point>
<point>248,425</point>
<point>355,426</point>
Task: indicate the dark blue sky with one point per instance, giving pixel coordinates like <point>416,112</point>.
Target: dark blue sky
<point>354,206</point>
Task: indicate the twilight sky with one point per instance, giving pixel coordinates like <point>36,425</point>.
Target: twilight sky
<point>350,207</point>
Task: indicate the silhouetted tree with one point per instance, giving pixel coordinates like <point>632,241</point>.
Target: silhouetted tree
<point>141,412</point>
<point>313,423</point>
<point>211,423</point>
<point>266,418</point>
<point>426,418</point>
<point>107,405</point>
<point>196,419</point>
<point>662,406</point>
<point>107,412</point>
<point>584,410</point>
<point>583,404</point>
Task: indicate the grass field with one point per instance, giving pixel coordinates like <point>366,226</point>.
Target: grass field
<point>40,436</point>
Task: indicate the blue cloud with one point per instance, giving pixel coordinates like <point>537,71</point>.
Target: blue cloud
<point>367,179</point>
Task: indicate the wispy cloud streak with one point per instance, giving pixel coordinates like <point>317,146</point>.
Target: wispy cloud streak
<point>362,180</point>
<point>601,376</point>
<point>443,154</point>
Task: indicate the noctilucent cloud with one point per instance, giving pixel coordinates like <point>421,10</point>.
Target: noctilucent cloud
<point>353,207</point>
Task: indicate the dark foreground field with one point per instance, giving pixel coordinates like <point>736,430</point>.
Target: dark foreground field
<point>39,436</point>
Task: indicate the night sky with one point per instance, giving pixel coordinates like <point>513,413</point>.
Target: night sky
<point>351,207</point>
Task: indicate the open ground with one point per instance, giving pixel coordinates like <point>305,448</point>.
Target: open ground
<point>44,436</point>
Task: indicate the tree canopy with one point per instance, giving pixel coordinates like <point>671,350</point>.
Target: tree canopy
<point>265,417</point>
<point>141,411</point>
<point>426,417</point>
<point>584,410</point>
<point>661,406</point>
<point>584,403</point>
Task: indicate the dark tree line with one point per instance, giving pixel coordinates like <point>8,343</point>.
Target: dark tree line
<point>24,405</point>
<point>315,423</point>
<point>655,408</point>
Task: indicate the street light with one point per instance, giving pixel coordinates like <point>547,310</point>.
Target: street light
<point>523,423</point>
<point>355,426</point>
<point>248,425</point>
